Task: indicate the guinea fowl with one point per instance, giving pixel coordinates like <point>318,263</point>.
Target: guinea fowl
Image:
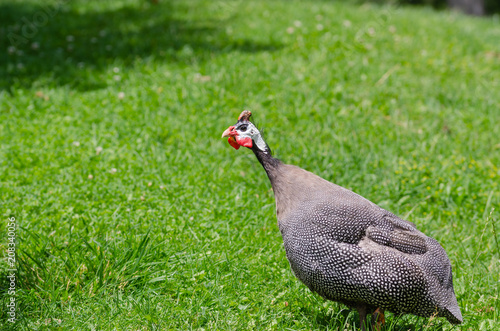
<point>348,249</point>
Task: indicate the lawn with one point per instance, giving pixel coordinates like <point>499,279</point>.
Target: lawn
<point>133,213</point>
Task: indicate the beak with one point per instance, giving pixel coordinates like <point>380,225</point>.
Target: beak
<point>230,132</point>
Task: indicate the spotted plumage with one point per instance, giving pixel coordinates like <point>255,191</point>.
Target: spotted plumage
<point>348,249</point>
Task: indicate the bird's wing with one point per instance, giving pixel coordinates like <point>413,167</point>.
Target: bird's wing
<point>406,241</point>
<point>396,222</point>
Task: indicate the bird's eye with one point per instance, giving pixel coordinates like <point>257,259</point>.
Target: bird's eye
<point>242,128</point>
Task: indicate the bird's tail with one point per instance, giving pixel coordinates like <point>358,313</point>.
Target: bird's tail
<point>452,311</point>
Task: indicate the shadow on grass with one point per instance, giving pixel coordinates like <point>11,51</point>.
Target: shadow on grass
<point>349,318</point>
<point>74,43</point>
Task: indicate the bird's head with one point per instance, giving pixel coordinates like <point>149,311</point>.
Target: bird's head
<point>244,133</point>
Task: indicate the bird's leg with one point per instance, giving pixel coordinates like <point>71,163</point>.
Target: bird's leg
<point>378,319</point>
<point>362,316</point>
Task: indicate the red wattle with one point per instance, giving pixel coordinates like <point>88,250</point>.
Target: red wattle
<point>246,142</point>
<point>233,143</point>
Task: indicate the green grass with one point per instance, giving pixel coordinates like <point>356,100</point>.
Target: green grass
<point>134,214</point>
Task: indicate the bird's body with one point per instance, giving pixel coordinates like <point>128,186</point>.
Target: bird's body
<point>348,249</point>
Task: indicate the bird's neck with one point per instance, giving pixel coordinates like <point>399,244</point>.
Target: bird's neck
<point>269,163</point>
